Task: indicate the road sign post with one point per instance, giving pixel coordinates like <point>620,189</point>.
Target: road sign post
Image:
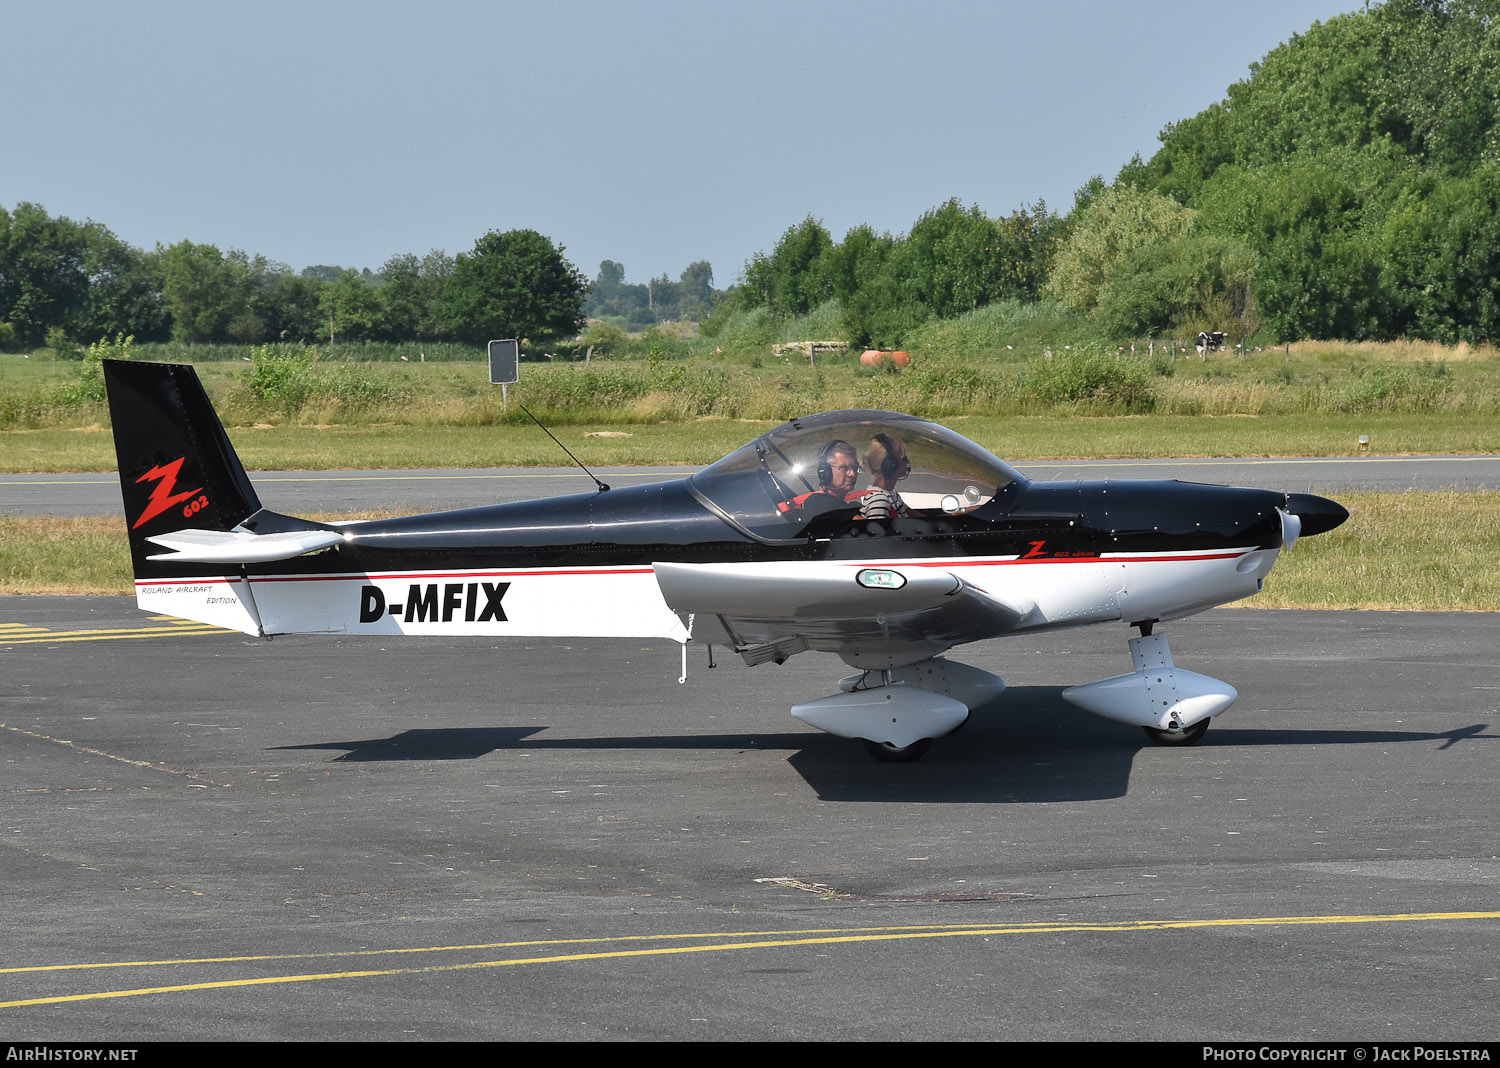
<point>505,366</point>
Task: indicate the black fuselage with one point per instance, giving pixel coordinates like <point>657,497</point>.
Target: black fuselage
<point>667,522</point>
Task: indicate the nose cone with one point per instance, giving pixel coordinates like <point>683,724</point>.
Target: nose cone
<point>1318,514</point>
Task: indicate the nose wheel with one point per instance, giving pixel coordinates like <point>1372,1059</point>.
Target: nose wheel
<point>1190,736</point>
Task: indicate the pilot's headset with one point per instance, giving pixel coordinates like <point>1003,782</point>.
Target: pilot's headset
<point>895,458</point>
<point>825,459</point>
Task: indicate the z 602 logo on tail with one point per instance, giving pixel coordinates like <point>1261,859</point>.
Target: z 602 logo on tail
<point>162,497</point>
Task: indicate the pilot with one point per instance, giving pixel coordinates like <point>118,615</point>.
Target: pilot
<point>838,470</point>
<point>887,463</point>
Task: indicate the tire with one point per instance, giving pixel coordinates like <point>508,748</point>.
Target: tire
<point>890,754</point>
<point>1190,736</point>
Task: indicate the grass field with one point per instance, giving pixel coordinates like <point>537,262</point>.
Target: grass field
<point>689,399</point>
<point>1434,551</point>
<point>704,440</point>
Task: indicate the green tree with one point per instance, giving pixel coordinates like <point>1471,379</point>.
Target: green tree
<point>856,261</point>
<point>955,259</point>
<point>514,284</point>
<point>792,279</point>
<point>952,260</point>
<point>234,296</point>
<point>249,278</point>
<point>216,296</point>
<point>413,295</point>
<point>1196,282</point>
<point>289,305</point>
<point>696,291</point>
<point>199,290</point>
<point>1319,273</point>
<point>883,312</point>
<point>124,292</point>
<point>1026,240</point>
<point>351,309</point>
<point>1109,226</point>
<point>611,297</point>
<point>1439,247</point>
<point>41,271</point>
<point>1344,162</point>
<point>1421,76</point>
<point>1438,79</point>
<point>76,277</point>
<point>665,298</point>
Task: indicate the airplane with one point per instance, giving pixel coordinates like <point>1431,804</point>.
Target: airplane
<point>740,555</point>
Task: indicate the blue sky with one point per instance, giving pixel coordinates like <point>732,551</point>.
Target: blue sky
<point>651,132</point>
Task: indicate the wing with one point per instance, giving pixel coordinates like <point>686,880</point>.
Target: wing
<point>872,617</point>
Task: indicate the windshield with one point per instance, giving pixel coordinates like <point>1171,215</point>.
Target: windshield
<point>860,463</point>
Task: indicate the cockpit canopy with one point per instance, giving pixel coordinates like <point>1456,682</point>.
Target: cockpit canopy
<point>762,487</point>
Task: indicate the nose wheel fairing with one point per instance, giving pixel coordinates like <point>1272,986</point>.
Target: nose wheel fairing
<point>1157,695</point>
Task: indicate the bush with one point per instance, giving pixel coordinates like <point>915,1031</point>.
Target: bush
<point>281,376</point>
<point>1006,330</point>
<point>602,338</point>
<point>90,385</point>
<point>1393,389</point>
<point>352,388</point>
<point>755,328</point>
<point>59,345</point>
<point>1091,380</point>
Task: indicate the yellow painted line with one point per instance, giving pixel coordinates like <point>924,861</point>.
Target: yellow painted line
<point>107,630</point>
<point>819,938</point>
<point>111,635</point>
<point>472,947</point>
<point>171,628</point>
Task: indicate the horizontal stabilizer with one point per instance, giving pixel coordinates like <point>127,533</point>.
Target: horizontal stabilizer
<point>240,546</point>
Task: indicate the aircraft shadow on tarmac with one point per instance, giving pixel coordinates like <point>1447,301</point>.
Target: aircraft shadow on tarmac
<point>1028,747</point>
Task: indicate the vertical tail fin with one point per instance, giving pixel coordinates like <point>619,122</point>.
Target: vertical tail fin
<point>177,467</point>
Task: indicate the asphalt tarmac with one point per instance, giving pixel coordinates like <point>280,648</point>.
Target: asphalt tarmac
<point>342,492</point>
<point>206,836</point>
